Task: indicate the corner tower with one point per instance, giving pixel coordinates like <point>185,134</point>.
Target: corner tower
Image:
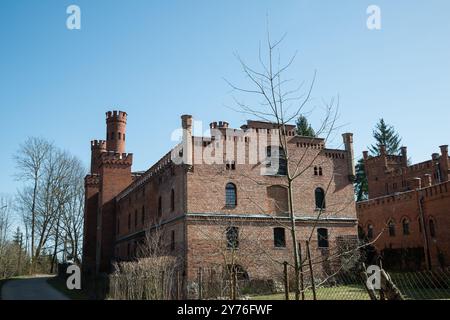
<point>116,125</point>
<point>97,148</point>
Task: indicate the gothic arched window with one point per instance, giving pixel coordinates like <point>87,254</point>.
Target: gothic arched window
<point>405,226</point>
<point>230,195</point>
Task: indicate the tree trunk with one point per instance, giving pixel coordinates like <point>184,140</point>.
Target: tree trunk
<point>33,222</point>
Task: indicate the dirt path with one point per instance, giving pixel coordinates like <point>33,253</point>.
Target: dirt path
<point>33,288</point>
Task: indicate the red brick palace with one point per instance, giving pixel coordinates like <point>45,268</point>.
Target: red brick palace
<point>408,211</point>
<point>200,205</point>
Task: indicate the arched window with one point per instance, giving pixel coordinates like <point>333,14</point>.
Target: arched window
<point>172,200</point>
<point>432,228</point>
<point>320,198</point>
<point>316,172</point>
<point>322,237</point>
<point>405,225</point>
<point>320,171</point>
<point>159,207</point>
<point>279,238</point>
<point>370,231</point>
<point>391,227</point>
<point>232,237</point>
<point>277,199</point>
<point>230,195</point>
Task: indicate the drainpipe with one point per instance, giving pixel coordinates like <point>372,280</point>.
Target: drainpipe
<point>426,244</point>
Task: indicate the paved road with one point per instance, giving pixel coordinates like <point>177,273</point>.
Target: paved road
<point>33,288</point>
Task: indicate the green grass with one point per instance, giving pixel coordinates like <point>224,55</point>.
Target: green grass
<point>61,286</point>
<point>425,294</point>
<point>348,292</point>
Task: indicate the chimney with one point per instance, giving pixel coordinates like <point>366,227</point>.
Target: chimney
<point>404,156</point>
<point>415,183</point>
<point>427,180</point>
<point>186,123</point>
<point>348,143</point>
<point>443,162</point>
<point>365,155</point>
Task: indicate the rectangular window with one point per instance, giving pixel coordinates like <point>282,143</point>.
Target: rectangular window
<point>279,238</point>
<point>232,238</point>
<point>172,241</point>
<point>135,219</point>
<point>322,237</point>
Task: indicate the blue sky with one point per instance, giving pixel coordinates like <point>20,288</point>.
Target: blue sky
<point>160,59</point>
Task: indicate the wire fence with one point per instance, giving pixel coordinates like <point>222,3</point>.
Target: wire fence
<point>423,285</point>
<point>215,283</point>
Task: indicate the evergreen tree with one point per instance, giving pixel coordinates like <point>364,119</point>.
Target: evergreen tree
<point>361,185</point>
<point>17,239</point>
<point>384,134</point>
<point>304,128</point>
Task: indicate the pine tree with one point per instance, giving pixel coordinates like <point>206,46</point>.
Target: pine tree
<point>361,185</point>
<point>17,239</point>
<point>304,128</point>
<point>385,134</point>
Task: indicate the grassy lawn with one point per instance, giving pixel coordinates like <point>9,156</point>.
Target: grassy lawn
<point>60,285</point>
<point>324,293</point>
<point>425,294</point>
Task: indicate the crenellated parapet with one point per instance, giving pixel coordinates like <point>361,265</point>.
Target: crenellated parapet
<point>98,145</point>
<point>386,200</point>
<point>164,163</point>
<point>92,180</point>
<point>116,159</point>
<point>116,116</point>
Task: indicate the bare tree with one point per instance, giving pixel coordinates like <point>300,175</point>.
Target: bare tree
<point>29,163</point>
<point>151,275</point>
<point>280,102</point>
<point>51,204</point>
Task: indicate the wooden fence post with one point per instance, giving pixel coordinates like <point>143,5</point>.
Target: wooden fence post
<point>302,286</point>
<point>286,281</point>
<point>308,252</point>
<point>178,285</point>
<point>163,297</point>
<point>200,284</point>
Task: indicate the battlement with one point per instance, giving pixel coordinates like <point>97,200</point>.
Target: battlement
<point>437,190</point>
<point>389,199</point>
<point>156,169</point>
<point>98,144</point>
<point>92,180</point>
<point>391,159</point>
<point>116,116</point>
<point>115,158</point>
<point>219,125</point>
